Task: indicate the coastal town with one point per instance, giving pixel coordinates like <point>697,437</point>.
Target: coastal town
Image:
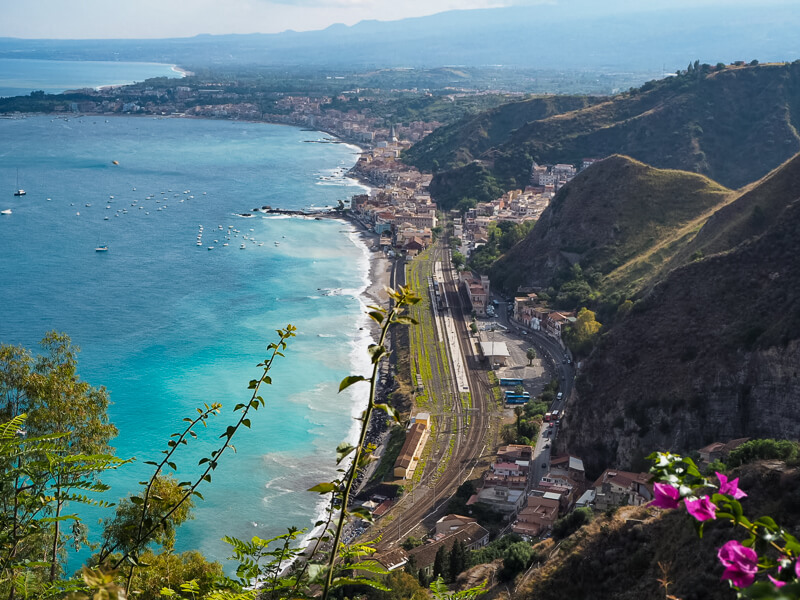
<point>519,489</point>
<point>484,381</point>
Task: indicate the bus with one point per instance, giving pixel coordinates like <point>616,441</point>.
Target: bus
<point>510,381</point>
<point>512,393</point>
<point>547,417</point>
<point>516,399</point>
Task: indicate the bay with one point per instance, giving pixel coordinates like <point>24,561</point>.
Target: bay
<point>20,77</point>
<point>168,325</point>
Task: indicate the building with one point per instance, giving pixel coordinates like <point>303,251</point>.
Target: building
<point>719,450</point>
<point>495,352</point>
<point>621,488</point>
<point>451,523</point>
<point>568,465</point>
<point>537,517</point>
<point>514,452</point>
<point>477,290</point>
<point>500,499</point>
<point>410,453</point>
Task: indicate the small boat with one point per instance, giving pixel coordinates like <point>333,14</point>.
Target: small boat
<point>101,249</point>
<point>243,247</point>
<point>5,212</point>
<point>20,191</point>
<point>211,247</point>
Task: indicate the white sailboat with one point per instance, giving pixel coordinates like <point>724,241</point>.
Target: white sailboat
<point>20,191</point>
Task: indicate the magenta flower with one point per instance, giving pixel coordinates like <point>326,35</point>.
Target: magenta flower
<point>731,488</point>
<point>740,562</point>
<point>776,582</point>
<point>666,496</point>
<point>797,568</point>
<point>701,509</point>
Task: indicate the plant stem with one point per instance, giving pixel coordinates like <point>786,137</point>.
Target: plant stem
<point>351,476</point>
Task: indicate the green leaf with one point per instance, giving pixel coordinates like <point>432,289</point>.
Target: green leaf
<point>376,316</point>
<point>323,488</point>
<point>246,423</point>
<point>350,380</point>
<point>376,352</point>
<point>393,414</point>
<point>253,384</point>
<point>404,320</point>
<point>343,450</point>
<point>137,500</point>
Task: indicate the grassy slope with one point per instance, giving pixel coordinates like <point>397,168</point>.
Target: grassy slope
<point>733,125</point>
<point>620,217</point>
<point>710,353</point>
<point>467,139</point>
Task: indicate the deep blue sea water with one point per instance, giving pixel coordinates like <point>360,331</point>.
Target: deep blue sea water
<point>167,325</point>
<point>19,77</point>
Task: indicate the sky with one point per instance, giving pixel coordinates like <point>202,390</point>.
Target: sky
<point>104,19</point>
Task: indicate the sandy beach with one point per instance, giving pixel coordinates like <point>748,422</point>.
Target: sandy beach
<point>380,268</point>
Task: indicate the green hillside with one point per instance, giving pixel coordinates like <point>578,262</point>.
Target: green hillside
<point>465,140</point>
<point>620,220</point>
<point>711,352</point>
<point>734,124</point>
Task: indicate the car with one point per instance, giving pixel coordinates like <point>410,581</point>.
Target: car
<point>544,465</point>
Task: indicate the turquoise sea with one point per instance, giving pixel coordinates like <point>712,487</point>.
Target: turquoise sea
<point>19,77</point>
<point>166,324</point>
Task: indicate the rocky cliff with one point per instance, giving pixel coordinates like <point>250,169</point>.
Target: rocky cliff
<point>711,353</point>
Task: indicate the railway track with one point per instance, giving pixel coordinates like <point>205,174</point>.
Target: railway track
<point>472,424</point>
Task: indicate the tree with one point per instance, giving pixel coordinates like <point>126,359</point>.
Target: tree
<point>516,559</point>
<point>458,259</point>
<point>582,334</point>
<point>458,559</point>
<point>49,390</point>
<point>530,354</point>
<point>440,562</point>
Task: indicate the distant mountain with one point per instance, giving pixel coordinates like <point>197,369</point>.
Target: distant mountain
<point>733,125</point>
<point>620,219</point>
<point>712,352</point>
<point>579,34</point>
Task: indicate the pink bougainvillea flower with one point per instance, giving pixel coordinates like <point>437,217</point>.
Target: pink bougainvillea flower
<point>797,568</point>
<point>731,488</point>
<point>666,496</point>
<point>740,562</point>
<point>701,509</point>
<point>776,582</point>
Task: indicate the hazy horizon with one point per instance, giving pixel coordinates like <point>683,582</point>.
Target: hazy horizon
<point>158,19</point>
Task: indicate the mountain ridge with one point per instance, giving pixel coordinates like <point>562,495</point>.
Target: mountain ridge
<point>710,353</point>
<point>733,124</point>
<point>577,35</point>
